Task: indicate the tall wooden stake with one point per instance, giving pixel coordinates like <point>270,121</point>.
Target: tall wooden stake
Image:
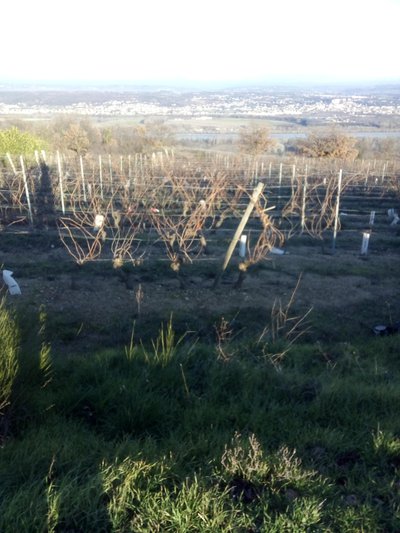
<point>303,206</point>
<point>11,163</point>
<point>83,179</point>
<point>336,223</point>
<point>61,182</point>
<point>254,197</point>
<point>111,173</point>
<point>101,177</point>
<point>28,199</point>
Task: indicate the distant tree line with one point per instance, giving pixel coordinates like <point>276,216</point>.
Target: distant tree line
<point>81,136</point>
<point>332,144</point>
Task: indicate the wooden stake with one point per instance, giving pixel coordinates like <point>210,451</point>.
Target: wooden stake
<point>61,183</point>
<point>28,199</point>
<point>83,179</point>
<point>111,173</point>
<point>293,178</point>
<point>336,223</point>
<point>11,163</point>
<point>303,206</point>
<point>101,177</point>
<point>254,197</point>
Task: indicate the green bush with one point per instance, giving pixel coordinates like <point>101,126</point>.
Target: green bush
<point>17,142</point>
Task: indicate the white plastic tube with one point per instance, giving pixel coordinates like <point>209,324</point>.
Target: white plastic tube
<point>242,246</point>
<point>364,244</point>
<point>12,285</point>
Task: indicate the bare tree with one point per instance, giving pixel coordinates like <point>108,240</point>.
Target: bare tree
<point>331,146</point>
<point>255,140</point>
<point>76,139</point>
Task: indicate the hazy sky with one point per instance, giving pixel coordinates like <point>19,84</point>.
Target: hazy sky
<point>192,41</point>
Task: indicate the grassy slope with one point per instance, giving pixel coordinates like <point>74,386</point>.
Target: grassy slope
<point>192,438</point>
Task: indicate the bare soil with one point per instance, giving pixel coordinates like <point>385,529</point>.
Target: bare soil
<point>349,294</point>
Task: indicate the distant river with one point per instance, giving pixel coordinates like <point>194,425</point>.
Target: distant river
<point>230,137</point>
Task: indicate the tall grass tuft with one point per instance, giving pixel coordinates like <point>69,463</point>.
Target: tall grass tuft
<point>9,350</point>
<point>45,359</point>
<point>165,346</point>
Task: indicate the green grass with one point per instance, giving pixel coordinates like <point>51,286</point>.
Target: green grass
<point>177,435</point>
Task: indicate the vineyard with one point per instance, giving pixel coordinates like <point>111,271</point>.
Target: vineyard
<point>163,192</point>
<point>169,224</point>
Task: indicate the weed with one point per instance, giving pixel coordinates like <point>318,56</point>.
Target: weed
<point>224,335</point>
<point>165,346</point>
<point>284,328</point>
<point>9,362</point>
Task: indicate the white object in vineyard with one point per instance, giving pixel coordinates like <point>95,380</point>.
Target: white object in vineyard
<point>98,222</point>
<point>242,246</point>
<point>365,242</point>
<point>277,251</point>
<point>392,214</point>
<point>372,218</point>
<point>12,285</point>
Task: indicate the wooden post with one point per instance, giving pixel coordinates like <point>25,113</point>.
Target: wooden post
<point>336,223</point>
<point>83,179</point>
<point>303,206</point>
<point>28,199</point>
<point>293,178</point>
<point>254,197</point>
<point>61,183</point>
<point>111,173</point>
<point>101,177</point>
<point>11,162</point>
<point>367,175</point>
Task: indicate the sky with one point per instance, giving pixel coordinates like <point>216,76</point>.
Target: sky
<point>200,41</point>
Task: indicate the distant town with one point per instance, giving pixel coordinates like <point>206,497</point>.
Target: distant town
<point>350,106</point>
